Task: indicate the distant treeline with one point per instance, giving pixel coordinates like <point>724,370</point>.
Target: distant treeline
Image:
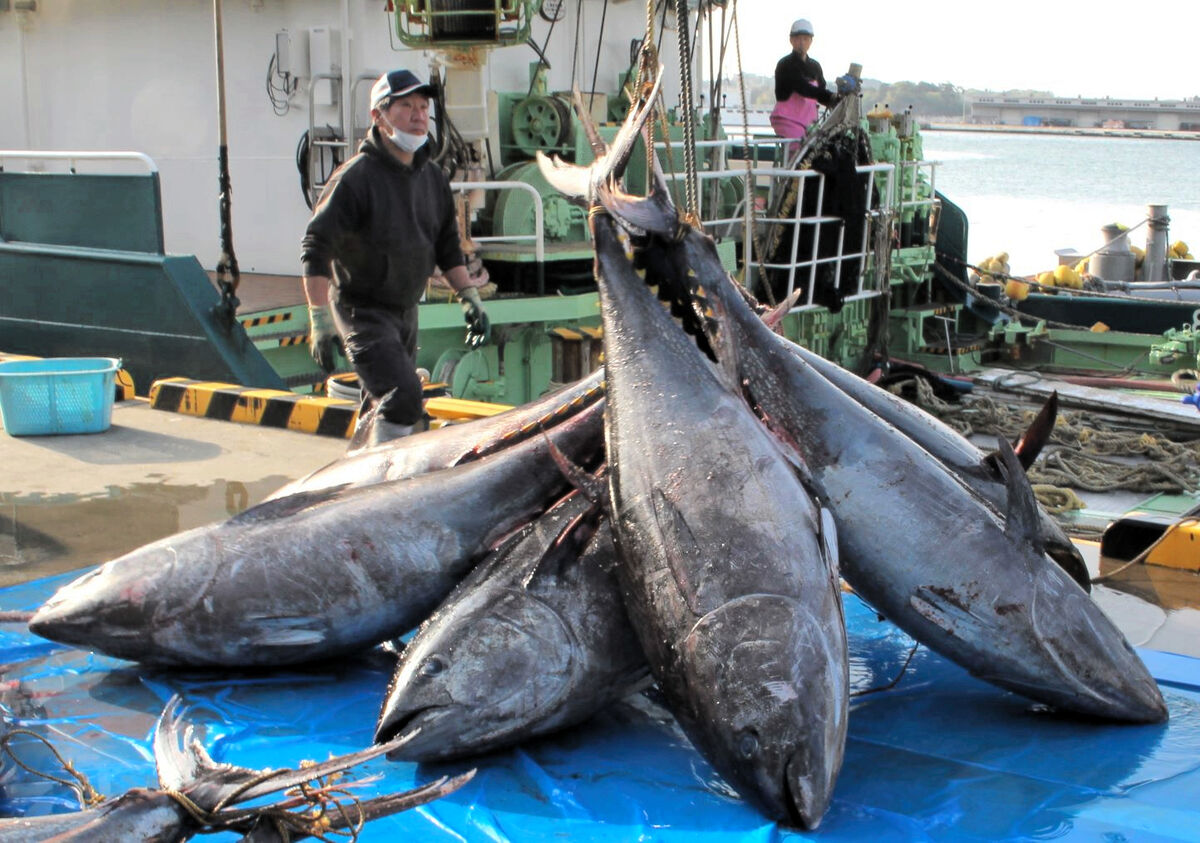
<point>926,98</point>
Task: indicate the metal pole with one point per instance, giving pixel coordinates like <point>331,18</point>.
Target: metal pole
<point>227,263</point>
<point>1154,265</point>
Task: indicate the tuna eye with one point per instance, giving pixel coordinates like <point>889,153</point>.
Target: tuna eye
<point>432,666</point>
<point>747,745</point>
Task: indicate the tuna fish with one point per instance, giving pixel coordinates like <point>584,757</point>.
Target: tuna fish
<point>534,639</point>
<point>456,444</point>
<point>217,790</point>
<point>982,472</point>
<point>915,542</point>
<point>313,575</point>
<point>727,565</point>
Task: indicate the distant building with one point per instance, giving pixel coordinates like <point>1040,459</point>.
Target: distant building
<point>1085,113</point>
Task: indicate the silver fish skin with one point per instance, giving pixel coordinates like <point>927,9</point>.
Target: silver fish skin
<point>455,444</point>
<point>313,575</point>
<point>915,542</point>
<point>728,571</point>
<point>533,640</point>
<point>980,471</point>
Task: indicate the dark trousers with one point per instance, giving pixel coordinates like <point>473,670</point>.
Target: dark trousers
<point>381,344</point>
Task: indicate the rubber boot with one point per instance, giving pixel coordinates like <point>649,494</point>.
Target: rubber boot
<point>385,431</point>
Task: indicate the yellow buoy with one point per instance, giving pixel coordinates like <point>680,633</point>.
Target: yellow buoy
<point>1046,279</point>
<point>1179,248</point>
<point>1065,276</point>
<point>1016,290</point>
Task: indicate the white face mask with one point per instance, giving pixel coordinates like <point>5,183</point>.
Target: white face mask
<point>405,141</point>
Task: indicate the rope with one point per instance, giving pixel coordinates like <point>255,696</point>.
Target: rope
<point>692,208</point>
<point>88,795</point>
<point>748,191</point>
<point>1089,453</point>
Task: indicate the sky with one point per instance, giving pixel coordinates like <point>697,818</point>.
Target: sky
<point>1066,47</point>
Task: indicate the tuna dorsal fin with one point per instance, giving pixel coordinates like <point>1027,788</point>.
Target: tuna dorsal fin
<point>1021,520</point>
<point>1035,438</point>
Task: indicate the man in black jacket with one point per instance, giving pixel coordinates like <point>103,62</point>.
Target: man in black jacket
<point>799,86</point>
<point>383,222</point>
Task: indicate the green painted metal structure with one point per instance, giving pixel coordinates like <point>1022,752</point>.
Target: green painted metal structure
<point>83,273</point>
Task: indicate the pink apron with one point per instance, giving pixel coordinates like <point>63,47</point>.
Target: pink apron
<point>792,117</point>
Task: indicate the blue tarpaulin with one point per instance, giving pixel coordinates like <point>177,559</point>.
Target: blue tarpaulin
<point>937,756</point>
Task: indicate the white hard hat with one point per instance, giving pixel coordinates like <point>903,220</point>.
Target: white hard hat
<point>801,26</point>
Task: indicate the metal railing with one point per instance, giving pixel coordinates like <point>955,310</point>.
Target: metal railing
<point>73,156</point>
<point>539,228</point>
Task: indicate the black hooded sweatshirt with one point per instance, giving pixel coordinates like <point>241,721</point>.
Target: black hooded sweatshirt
<point>380,226</point>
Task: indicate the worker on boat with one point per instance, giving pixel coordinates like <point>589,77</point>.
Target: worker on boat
<point>800,86</point>
<point>383,222</point>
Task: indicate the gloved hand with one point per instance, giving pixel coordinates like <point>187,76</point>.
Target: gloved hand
<point>479,327</point>
<point>323,337</point>
<point>847,84</point>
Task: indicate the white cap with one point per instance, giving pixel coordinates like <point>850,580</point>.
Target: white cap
<point>801,26</point>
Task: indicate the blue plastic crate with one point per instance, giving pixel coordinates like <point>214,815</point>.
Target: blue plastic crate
<point>57,395</point>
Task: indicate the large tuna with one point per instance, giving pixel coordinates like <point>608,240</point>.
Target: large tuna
<point>982,472</point>
<point>456,444</point>
<point>727,567</point>
<point>915,541</point>
<point>313,575</point>
<point>534,639</point>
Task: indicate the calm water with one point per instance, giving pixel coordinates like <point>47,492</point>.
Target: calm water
<point>1029,195</point>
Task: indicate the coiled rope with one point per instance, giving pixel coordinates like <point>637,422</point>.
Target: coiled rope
<point>1090,454</point>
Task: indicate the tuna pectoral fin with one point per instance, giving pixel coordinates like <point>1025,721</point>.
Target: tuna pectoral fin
<point>286,506</point>
<point>591,485</point>
<point>948,610</point>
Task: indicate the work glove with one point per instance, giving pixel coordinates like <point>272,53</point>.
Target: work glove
<point>323,337</point>
<point>847,84</point>
<point>479,328</point>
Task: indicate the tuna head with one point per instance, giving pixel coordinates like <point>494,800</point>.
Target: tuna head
<point>786,763</point>
<point>474,678</point>
<point>113,607</point>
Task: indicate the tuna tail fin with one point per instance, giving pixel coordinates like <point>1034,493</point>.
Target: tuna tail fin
<point>568,179</point>
<point>1021,521</point>
<point>599,147</point>
<point>575,181</point>
<point>1035,438</point>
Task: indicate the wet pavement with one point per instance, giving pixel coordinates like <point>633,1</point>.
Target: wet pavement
<point>69,502</point>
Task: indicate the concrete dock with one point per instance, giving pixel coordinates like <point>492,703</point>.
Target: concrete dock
<point>71,501</point>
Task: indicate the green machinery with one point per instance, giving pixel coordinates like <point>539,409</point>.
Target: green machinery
<point>540,120</point>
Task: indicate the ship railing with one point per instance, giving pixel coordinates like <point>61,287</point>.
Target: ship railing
<point>883,209</point>
<point>74,157</point>
<point>539,228</point>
